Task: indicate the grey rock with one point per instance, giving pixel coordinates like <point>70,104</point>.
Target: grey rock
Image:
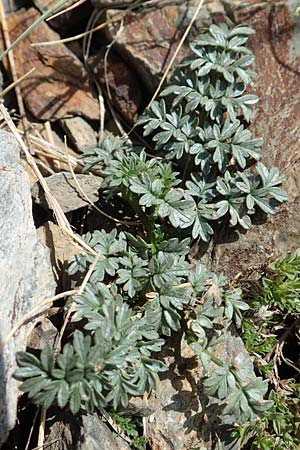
<point>64,188</point>
<point>80,133</point>
<point>183,421</point>
<point>87,432</point>
<point>26,276</point>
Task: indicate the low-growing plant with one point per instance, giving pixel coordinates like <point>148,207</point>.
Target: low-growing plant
<point>144,285</point>
<point>269,334</point>
<point>130,426</point>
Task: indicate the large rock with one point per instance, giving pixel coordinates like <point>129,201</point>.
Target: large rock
<point>88,432</point>
<point>276,46</point>
<point>26,276</point>
<point>60,85</point>
<point>148,41</point>
<point>182,420</point>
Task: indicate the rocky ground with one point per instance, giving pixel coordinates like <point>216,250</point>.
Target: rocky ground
<point>79,90</point>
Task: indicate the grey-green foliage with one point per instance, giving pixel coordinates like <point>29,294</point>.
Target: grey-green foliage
<point>205,129</point>
<point>143,286</point>
<point>110,363</point>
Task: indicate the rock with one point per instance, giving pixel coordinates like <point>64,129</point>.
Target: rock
<point>110,3</point>
<point>60,84</point>
<point>276,46</point>
<point>124,86</point>
<point>86,432</point>
<point>64,188</point>
<point>80,133</point>
<point>67,21</point>
<point>44,333</point>
<point>148,41</point>
<point>61,247</point>
<point>181,422</point>
<point>142,406</point>
<point>26,277</point>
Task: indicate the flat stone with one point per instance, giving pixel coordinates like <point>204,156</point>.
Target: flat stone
<point>26,276</point>
<point>148,41</point>
<point>80,133</point>
<point>276,46</point>
<point>124,86</point>
<point>64,188</point>
<point>60,84</point>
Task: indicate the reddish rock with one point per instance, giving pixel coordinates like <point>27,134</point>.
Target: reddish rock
<point>110,3</point>
<point>60,85</point>
<point>149,40</point>
<point>276,46</point>
<point>124,86</point>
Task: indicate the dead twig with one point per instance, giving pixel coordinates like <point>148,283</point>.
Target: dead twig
<point>177,51</point>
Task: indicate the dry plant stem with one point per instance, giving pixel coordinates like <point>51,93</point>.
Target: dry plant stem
<point>54,152</point>
<point>34,312</point>
<point>114,426</point>
<point>11,61</point>
<point>48,444</point>
<point>18,81</point>
<point>58,212</point>
<point>33,26</point>
<point>113,113</point>
<point>98,27</point>
<point>177,51</point>
<point>49,133</point>
<point>86,197</point>
<point>77,36</point>
<point>42,427</point>
<point>57,346</point>
<point>69,8</point>
<point>87,40</point>
<point>31,430</point>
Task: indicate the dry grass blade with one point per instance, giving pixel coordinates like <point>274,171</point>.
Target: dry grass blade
<point>53,203</point>
<point>87,42</point>
<point>200,4</point>
<point>16,82</point>
<point>42,427</point>
<point>39,309</point>
<point>78,36</point>
<point>69,8</point>
<point>79,292</point>
<point>86,197</point>
<point>34,25</point>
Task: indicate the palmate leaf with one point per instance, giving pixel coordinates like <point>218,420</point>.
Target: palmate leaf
<point>153,117</point>
<point>247,403</point>
<point>234,305</point>
<point>108,246</point>
<point>101,155</point>
<point>178,207</point>
<point>99,368</point>
<point>134,276</point>
<point>167,270</point>
<point>201,226</point>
